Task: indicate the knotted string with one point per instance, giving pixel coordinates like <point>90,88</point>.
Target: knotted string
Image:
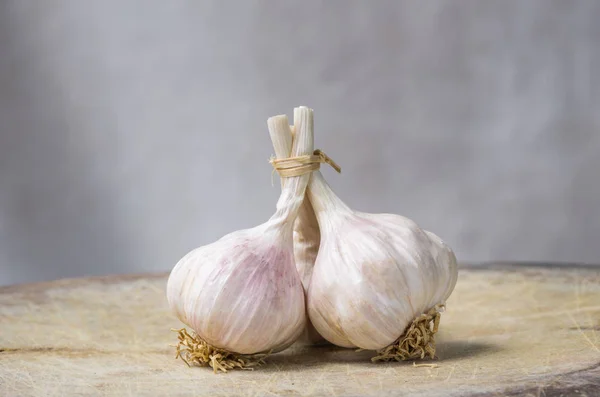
<point>300,165</point>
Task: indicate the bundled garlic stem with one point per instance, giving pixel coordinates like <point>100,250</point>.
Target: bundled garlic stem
<point>306,232</point>
<point>294,188</point>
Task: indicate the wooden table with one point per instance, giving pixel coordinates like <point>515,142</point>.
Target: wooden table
<point>509,330</point>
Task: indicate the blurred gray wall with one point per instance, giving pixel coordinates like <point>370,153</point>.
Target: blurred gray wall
<point>133,131</point>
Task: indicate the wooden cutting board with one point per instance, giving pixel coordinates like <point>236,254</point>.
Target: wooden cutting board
<point>509,329</point>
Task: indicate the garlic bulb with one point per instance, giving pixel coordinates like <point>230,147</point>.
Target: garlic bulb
<point>243,293</point>
<point>306,228</point>
<point>374,273</point>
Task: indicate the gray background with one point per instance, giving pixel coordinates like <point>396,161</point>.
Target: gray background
<point>133,131</point>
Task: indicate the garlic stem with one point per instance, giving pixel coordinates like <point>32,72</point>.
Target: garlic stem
<point>306,236</point>
<point>306,223</point>
<point>294,188</point>
<point>281,136</point>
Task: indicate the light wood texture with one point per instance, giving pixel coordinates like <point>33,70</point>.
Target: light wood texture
<point>508,330</point>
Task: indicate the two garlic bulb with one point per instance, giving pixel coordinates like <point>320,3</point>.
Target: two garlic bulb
<point>316,269</point>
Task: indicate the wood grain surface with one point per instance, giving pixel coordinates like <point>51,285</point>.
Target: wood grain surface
<point>509,330</point>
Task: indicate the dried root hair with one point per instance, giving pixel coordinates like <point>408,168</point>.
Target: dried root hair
<point>417,342</point>
<point>194,350</point>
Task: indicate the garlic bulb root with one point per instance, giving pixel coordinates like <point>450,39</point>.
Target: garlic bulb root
<point>193,349</point>
<point>417,342</point>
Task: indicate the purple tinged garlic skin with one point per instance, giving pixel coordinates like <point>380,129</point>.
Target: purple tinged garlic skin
<point>241,293</point>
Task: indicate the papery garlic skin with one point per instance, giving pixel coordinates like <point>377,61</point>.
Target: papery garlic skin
<point>374,274</point>
<point>230,293</point>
